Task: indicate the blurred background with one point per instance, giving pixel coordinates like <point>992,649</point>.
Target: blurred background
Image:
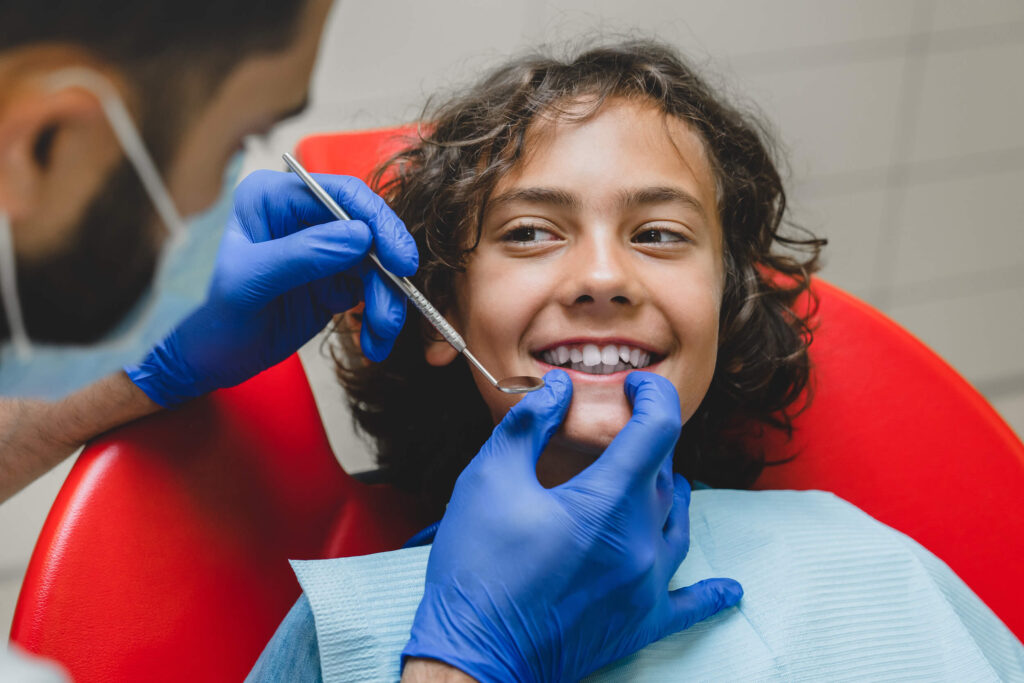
<point>902,121</point>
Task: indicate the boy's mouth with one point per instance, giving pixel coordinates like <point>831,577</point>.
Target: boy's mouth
<point>597,358</point>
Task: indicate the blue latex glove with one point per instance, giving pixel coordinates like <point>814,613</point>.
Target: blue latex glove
<point>531,584</point>
<point>285,266</point>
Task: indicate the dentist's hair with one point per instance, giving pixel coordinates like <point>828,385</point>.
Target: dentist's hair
<point>176,52</point>
<point>138,35</point>
<point>428,422</point>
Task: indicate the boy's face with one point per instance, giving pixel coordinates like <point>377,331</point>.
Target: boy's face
<point>604,243</point>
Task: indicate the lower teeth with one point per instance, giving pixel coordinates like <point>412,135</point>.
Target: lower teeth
<point>598,369</point>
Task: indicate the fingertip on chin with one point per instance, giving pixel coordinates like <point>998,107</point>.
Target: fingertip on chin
<point>634,380</point>
<point>638,379</point>
<point>556,375</point>
<point>558,380</point>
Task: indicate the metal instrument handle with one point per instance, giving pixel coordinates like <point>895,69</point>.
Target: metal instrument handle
<point>432,315</point>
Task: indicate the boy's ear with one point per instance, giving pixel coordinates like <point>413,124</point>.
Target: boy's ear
<point>437,350</point>
<point>440,353</point>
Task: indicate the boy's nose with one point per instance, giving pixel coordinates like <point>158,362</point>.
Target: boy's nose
<point>602,274</point>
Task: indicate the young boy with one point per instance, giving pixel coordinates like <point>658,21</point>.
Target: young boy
<point>611,201</point>
<point>594,217</point>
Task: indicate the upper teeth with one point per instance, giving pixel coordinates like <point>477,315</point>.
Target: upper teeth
<point>597,360</point>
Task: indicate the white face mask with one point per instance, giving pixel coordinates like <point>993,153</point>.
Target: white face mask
<point>179,282</point>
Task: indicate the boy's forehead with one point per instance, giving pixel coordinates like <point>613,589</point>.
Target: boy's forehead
<point>637,134</point>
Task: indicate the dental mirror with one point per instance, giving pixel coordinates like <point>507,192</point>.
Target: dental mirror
<point>510,385</point>
<point>521,384</point>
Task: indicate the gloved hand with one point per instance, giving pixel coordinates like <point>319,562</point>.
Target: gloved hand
<point>531,584</point>
<point>285,265</point>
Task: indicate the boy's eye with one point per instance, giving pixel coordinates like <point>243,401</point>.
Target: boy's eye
<point>658,235</point>
<point>528,233</point>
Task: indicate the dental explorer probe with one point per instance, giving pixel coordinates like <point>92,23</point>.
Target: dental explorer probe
<point>510,385</point>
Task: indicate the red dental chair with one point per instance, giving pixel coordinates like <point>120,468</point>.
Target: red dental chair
<point>164,556</point>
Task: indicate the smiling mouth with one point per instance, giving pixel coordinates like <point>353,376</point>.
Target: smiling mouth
<point>593,359</point>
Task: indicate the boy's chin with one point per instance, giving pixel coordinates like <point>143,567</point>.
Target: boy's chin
<point>579,442</point>
<point>592,422</point>
<point>588,428</point>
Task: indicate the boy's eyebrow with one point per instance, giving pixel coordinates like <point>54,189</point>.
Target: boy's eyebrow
<point>632,197</point>
<point>661,195</point>
<point>538,195</point>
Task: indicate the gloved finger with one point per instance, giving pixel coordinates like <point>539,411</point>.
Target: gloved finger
<point>270,205</point>
<point>278,266</point>
<point>395,247</point>
<point>375,347</point>
<point>640,450</point>
<point>529,425</point>
<point>338,293</point>
<point>385,308</point>
<point>677,526</point>
<point>703,599</point>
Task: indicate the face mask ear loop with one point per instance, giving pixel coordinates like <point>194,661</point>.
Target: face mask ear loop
<point>131,142</point>
<point>9,292</point>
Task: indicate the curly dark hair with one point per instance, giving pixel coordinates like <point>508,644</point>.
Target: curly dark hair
<point>428,422</point>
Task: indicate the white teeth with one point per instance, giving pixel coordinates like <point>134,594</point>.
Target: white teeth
<point>610,355</point>
<point>596,360</point>
<point>563,354</point>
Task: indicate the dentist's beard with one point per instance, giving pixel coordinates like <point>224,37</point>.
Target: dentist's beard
<point>81,293</point>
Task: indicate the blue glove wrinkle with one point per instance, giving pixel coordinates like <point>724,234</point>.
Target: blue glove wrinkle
<point>677,523</point>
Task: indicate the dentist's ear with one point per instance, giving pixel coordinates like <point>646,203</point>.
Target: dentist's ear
<point>56,151</point>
